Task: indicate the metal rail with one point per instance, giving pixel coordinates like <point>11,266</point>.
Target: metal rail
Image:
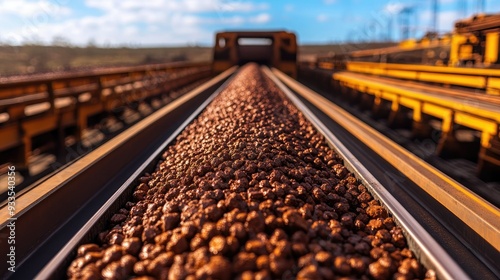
<point>54,210</point>
<point>431,254</point>
<point>478,214</point>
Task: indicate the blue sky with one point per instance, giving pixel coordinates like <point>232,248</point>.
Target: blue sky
<point>136,23</point>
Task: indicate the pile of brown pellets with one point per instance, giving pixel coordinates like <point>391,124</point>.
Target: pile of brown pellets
<point>249,190</point>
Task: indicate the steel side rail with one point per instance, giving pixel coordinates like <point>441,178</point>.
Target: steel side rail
<point>477,213</point>
<point>426,248</point>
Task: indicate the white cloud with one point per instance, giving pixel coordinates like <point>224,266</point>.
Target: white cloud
<point>242,6</point>
<point>322,18</point>
<point>234,20</point>
<point>393,8</point>
<point>261,18</point>
<point>24,8</point>
<point>21,20</point>
<point>329,2</point>
<point>195,6</point>
<point>288,8</point>
<point>143,22</point>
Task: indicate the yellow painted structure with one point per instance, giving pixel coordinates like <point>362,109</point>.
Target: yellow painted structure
<point>475,41</point>
<point>486,120</point>
<point>485,79</point>
<point>491,49</point>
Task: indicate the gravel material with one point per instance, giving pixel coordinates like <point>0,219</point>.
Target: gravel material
<point>249,190</point>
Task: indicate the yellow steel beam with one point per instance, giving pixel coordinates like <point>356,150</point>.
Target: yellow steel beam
<point>453,79</point>
<point>476,123</point>
<point>388,95</point>
<point>403,74</point>
<point>488,127</point>
<point>395,105</point>
<point>491,49</point>
<point>469,77</point>
<point>423,68</point>
<point>412,104</point>
<point>479,118</point>
<point>493,86</point>
<point>436,111</point>
<point>372,91</point>
<point>470,108</point>
<point>409,102</point>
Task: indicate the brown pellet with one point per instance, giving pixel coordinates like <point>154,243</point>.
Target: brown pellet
<point>249,190</point>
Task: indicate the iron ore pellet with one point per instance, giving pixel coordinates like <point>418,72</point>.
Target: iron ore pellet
<point>249,190</point>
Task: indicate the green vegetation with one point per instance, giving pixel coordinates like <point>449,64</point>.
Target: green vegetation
<point>27,59</point>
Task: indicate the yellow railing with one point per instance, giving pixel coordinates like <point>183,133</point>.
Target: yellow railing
<point>482,118</point>
<point>484,79</point>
